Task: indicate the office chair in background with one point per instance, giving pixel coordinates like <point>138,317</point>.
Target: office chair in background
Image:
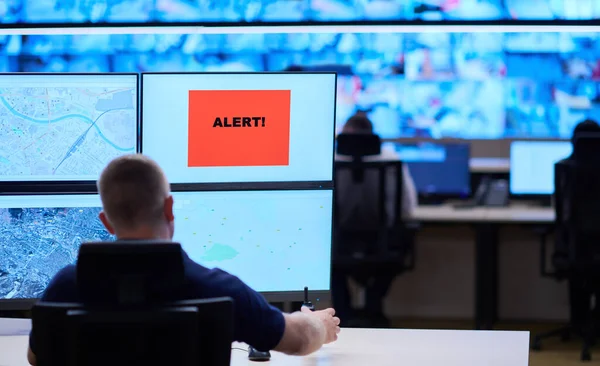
<point>577,245</point>
<point>127,316</point>
<point>372,244</point>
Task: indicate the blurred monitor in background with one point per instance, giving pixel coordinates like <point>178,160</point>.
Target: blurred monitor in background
<point>532,165</point>
<point>553,9</point>
<point>438,170</point>
<point>459,10</point>
<point>61,11</point>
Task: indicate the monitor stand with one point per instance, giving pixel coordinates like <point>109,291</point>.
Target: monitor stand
<point>255,355</point>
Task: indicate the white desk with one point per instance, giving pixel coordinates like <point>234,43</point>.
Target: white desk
<point>487,222</point>
<point>14,327</point>
<point>447,213</point>
<point>515,213</point>
<point>380,347</point>
<point>521,213</point>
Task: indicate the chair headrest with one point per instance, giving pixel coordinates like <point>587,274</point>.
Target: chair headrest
<point>358,145</point>
<point>128,271</point>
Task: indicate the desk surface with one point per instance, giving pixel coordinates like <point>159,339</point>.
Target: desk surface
<point>379,347</point>
<point>515,213</point>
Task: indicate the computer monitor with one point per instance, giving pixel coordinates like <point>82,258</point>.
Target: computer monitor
<point>65,127</point>
<point>440,170</point>
<point>275,241</point>
<point>532,165</point>
<point>240,127</point>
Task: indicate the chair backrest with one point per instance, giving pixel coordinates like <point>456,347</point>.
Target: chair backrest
<point>372,203</point>
<point>358,146</point>
<point>190,333</point>
<point>129,272</point>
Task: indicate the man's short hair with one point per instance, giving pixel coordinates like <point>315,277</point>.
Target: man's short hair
<point>359,122</point>
<point>133,189</point>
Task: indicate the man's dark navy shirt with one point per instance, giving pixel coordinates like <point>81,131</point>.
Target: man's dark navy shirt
<point>256,322</point>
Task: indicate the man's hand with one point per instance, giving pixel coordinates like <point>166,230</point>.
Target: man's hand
<point>329,320</point>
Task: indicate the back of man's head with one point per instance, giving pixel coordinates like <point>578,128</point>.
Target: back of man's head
<point>358,123</point>
<point>585,127</point>
<point>134,192</point>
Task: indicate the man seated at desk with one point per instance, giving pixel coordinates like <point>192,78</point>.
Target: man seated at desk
<point>355,202</point>
<point>137,205</point>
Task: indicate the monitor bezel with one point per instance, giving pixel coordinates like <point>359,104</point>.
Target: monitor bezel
<point>316,296</point>
<point>528,196</point>
<point>308,182</point>
<point>59,186</point>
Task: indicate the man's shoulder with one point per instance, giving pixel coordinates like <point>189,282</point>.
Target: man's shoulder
<point>67,275</point>
<point>212,280</point>
<point>63,286</point>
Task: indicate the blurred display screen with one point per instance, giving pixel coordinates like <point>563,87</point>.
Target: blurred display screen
<point>437,169</point>
<point>435,85</point>
<point>141,11</point>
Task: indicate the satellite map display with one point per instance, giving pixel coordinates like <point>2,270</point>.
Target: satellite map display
<point>62,130</point>
<point>35,243</point>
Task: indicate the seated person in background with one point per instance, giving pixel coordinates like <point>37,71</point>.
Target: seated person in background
<point>360,124</point>
<point>355,204</point>
<point>583,128</point>
<point>137,205</point>
<point>580,298</point>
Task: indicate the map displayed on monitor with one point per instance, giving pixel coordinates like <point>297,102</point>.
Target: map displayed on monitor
<point>39,235</point>
<point>65,127</point>
<point>273,240</point>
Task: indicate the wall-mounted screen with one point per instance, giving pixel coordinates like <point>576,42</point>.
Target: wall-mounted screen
<point>435,85</point>
<point>139,11</point>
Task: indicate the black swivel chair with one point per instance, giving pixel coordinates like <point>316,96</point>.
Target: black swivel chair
<point>127,316</point>
<point>577,245</point>
<point>370,237</point>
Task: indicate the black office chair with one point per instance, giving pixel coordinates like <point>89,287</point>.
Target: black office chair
<point>370,237</point>
<point>127,315</point>
<point>577,245</point>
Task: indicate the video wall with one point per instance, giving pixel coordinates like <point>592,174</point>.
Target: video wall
<point>139,11</point>
<point>433,85</point>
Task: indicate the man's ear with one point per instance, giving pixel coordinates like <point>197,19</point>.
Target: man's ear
<point>106,223</point>
<point>168,209</point>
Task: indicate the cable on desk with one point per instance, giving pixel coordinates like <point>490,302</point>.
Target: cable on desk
<point>240,349</point>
